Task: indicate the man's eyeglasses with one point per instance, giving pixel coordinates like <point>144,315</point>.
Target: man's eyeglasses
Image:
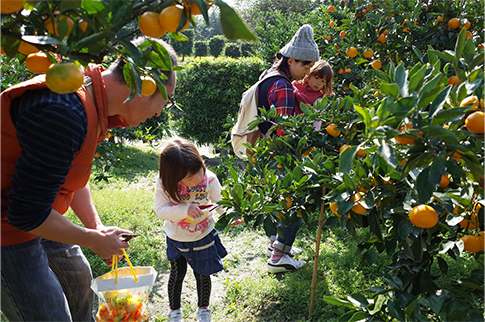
<point>171,103</point>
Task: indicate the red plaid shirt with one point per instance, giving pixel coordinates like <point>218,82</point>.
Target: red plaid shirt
<point>281,95</point>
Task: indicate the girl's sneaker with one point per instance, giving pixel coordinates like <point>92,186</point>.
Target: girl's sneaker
<point>175,316</point>
<point>203,315</point>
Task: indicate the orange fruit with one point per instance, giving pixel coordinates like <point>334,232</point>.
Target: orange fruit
<point>148,86</point>
<point>402,140</point>
<point>331,8</point>
<point>475,122</point>
<point>37,62</point>
<point>332,24</point>
<point>440,18</point>
<point>466,25</point>
<point>361,153</point>
<point>472,243</point>
<point>376,64</point>
<point>457,155</point>
<point>194,9</point>
<point>341,71</point>
<point>51,26</point>
<point>289,202</point>
<point>470,100</point>
<point>332,131</point>
<point>382,38</point>
<point>453,80</point>
<point>2,52</point>
<point>481,239</point>
<point>333,208</point>
<point>423,216</point>
<point>64,78</point>
<point>358,208</point>
<point>11,6</point>
<point>149,25</point>
<point>344,147</point>
<point>453,23</point>
<point>342,34</point>
<point>26,48</point>
<point>348,70</point>
<point>308,151</point>
<point>368,53</point>
<point>468,35</point>
<point>445,181</point>
<point>352,52</point>
<point>83,25</point>
<point>170,18</point>
<point>346,88</point>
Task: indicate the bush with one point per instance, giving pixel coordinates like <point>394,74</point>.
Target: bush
<point>200,48</point>
<point>210,90</point>
<point>184,48</point>
<point>233,51</point>
<point>246,50</point>
<point>216,44</point>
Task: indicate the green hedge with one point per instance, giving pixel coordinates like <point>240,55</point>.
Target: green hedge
<point>210,89</point>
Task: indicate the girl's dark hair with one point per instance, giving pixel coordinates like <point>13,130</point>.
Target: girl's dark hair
<point>323,70</point>
<point>179,159</point>
<point>117,66</point>
<point>282,62</point>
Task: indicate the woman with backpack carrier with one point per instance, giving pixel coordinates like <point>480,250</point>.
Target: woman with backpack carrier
<point>294,62</point>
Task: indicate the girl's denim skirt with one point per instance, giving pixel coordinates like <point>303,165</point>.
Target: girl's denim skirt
<point>204,255</point>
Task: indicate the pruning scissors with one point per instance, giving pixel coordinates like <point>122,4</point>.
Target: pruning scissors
<point>209,207</point>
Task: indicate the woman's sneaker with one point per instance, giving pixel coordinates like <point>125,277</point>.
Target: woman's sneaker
<point>175,316</point>
<point>284,264</point>
<point>203,315</point>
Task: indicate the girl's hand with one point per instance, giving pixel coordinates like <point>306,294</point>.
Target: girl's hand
<point>194,211</point>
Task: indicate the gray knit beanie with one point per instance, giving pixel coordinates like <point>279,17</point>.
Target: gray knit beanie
<point>302,46</point>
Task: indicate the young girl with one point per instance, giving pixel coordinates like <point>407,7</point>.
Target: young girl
<point>317,84</point>
<point>183,188</point>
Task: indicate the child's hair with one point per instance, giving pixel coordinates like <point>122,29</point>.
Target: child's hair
<point>282,62</point>
<point>323,70</point>
<point>179,159</point>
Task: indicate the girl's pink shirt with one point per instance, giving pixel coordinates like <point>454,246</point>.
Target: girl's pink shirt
<point>304,94</point>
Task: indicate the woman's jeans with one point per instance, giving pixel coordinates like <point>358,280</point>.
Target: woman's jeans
<point>284,243</point>
<point>44,280</point>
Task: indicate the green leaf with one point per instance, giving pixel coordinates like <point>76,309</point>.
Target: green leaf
<point>430,91</point>
<point>418,53</point>
<point>364,113</point>
<point>443,265</point>
<point>378,302</point>
<point>477,60</point>
<point>41,40</point>
<point>447,57</point>
<point>417,78</point>
<point>460,44</point>
<point>97,37</point>
<point>346,158</point>
<point>390,89</point>
<point>401,80</point>
<point>232,25</point>
<point>439,102</point>
<point>339,302</point>
<point>388,153</point>
<point>424,187</point>
<point>93,6</point>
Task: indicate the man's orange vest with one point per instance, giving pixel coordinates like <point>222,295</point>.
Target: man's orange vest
<point>79,173</point>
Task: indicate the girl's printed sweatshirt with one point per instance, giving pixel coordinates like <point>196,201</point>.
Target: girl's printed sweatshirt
<point>180,227</point>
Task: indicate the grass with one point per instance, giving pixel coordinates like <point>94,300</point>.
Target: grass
<point>244,291</point>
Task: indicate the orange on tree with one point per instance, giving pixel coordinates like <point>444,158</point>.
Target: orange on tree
<point>453,80</point>
<point>289,202</point>
<point>344,147</point>
<point>466,25</point>
<point>471,100</point>
<point>352,52</point>
<point>52,26</point>
<point>37,62</point>
<point>358,208</point>
<point>361,153</point>
<point>453,23</point>
<point>376,64</point>
<point>368,53</point>
<point>348,70</point>
<point>331,8</point>
<point>468,35</point>
<point>423,216</point>
<point>475,122</point>
<point>170,18</point>
<point>26,48</point>
<point>342,34</point>
<point>402,129</point>
<point>148,86</point>
<point>11,6</point>
<point>149,25</point>
<point>308,151</point>
<point>83,25</point>
<point>331,129</point>
<point>481,239</point>
<point>332,24</point>
<point>194,9</point>
<point>382,38</point>
<point>471,243</point>
<point>64,78</point>
<point>445,181</point>
<point>333,207</point>
<point>457,155</point>
<point>341,71</point>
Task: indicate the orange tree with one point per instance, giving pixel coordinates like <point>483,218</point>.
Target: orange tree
<point>398,148</point>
